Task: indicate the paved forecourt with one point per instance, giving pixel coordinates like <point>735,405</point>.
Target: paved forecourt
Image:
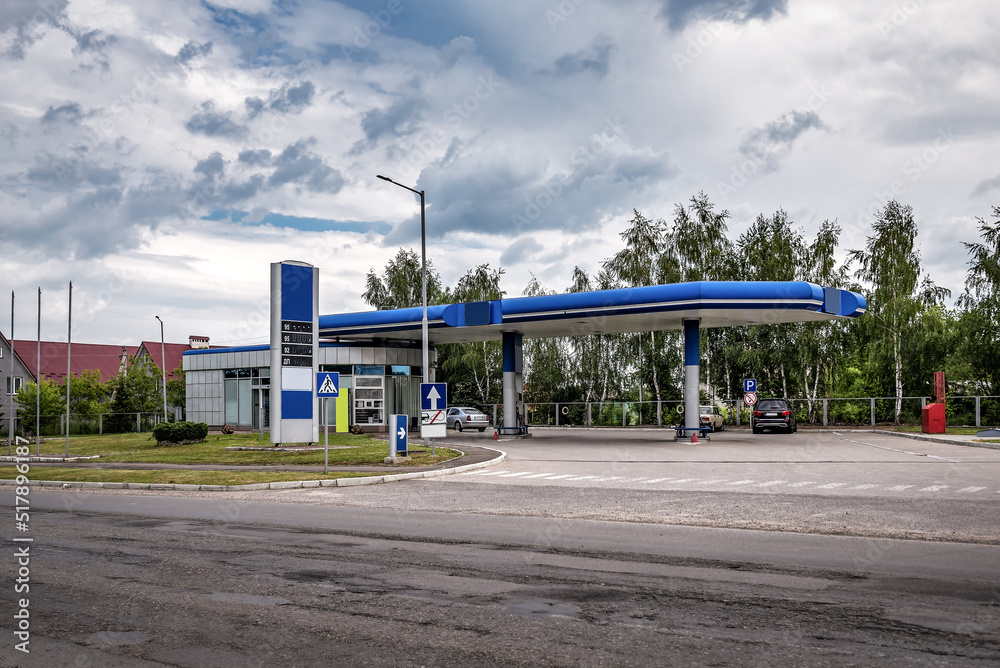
<point>840,463</point>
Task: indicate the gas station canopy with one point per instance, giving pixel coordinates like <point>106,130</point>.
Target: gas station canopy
<point>641,309</point>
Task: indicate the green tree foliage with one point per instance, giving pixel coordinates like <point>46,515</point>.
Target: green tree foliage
<point>893,350</point>
<point>480,362</point>
<point>137,390</point>
<point>87,393</point>
<point>51,403</point>
<point>177,388</point>
<point>890,265</point>
<point>980,321</point>
<point>400,285</point>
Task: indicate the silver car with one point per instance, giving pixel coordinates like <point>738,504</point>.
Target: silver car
<point>461,417</point>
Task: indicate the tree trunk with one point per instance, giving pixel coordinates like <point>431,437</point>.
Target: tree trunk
<point>899,376</point>
<point>784,382</point>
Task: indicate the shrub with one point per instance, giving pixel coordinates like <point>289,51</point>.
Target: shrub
<point>180,432</point>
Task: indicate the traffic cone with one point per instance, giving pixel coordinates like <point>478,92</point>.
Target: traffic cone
<point>496,435</point>
<point>694,436</point>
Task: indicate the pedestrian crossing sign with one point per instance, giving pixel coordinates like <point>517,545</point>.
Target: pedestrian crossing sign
<point>328,384</point>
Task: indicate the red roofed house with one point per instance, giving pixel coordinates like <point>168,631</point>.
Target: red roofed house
<point>108,359</point>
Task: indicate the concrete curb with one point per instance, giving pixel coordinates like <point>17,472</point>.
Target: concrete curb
<point>287,484</point>
<point>934,439</point>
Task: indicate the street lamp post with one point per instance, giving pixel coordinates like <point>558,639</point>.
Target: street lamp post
<point>425,370</point>
<point>163,361</point>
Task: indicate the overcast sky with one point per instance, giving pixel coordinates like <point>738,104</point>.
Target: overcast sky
<point>161,154</point>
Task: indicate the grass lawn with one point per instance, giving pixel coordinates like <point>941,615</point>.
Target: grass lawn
<point>955,431</point>
<point>180,477</point>
<point>360,450</point>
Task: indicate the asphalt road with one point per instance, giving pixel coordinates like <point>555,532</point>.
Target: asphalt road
<point>566,554</point>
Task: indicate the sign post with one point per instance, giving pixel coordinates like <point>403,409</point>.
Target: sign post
<point>433,408</point>
<point>327,385</point>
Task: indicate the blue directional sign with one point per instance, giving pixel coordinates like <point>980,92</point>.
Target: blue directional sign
<point>398,426</point>
<point>328,384</point>
<point>749,384</point>
<point>433,396</point>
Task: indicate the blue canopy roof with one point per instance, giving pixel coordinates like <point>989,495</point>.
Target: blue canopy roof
<point>642,309</point>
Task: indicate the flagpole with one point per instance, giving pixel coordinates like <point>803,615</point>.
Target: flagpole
<point>10,423</point>
<point>69,348</point>
<point>38,380</point>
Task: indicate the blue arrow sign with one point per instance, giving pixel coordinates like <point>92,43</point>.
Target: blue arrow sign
<point>398,426</point>
<point>749,384</point>
<point>328,384</point>
<point>433,396</point>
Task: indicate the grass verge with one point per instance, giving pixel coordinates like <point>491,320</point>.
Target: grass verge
<point>176,477</point>
<point>360,450</point>
<point>953,431</point>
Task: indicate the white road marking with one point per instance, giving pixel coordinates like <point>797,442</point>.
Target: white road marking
<point>802,484</point>
<point>497,472</point>
<point>905,452</point>
<point>513,475</point>
<point>560,477</point>
<point>714,482</point>
<point>687,480</point>
<point>657,480</point>
<point>769,484</point>
<point>972,489</point>
<point>537,475</point>
<point>579,477</point>
<point>899,488</point>
<point>934,488</point>
<point>831,485</point>
<point>868,486</point>
<point>741,482</point>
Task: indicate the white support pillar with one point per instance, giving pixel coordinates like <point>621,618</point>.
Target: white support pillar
<point>513,365</point>
<point>691,374</point>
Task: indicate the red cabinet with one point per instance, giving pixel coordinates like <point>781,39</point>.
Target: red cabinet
<point>932,419</point>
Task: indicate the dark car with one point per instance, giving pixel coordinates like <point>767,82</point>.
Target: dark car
<point>462,417</point>
<point>773,414</point>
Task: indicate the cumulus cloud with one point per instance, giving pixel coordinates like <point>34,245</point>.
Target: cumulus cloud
<point>985,186</point>
<point>288,99</point>
<point>20,21</point>
<point>298,164</point>
<point>679,13</point>
<point>71,112</point>
<point>211,123</point>
<point>193,50</point>
<point>520,251</point>
<point>768,145</point>
<point>594,59</point>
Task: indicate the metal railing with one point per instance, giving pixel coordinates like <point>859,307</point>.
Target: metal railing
<point>971,411</point>
<point>103,423</point>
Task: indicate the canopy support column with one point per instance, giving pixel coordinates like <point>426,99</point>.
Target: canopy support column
<point>513,383</point>
<point>692,416</point>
